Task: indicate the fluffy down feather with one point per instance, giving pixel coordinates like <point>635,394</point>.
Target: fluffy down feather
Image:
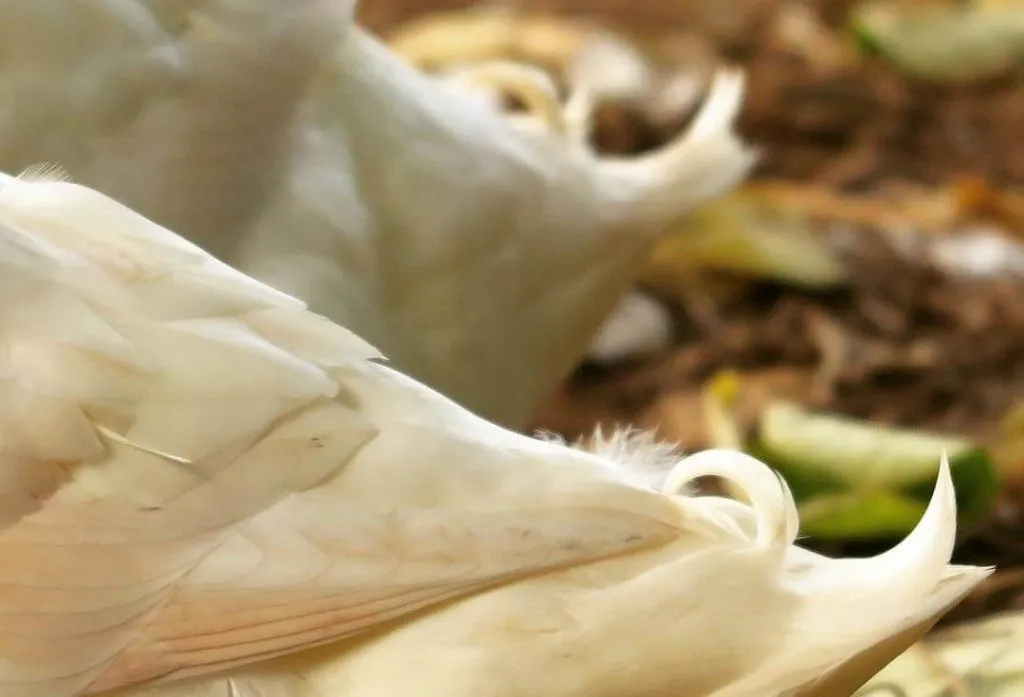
<point>209,491</point>
<point>479,254</point>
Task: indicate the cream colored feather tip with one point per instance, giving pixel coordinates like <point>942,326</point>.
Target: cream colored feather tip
<point>208,491</point>
<point>731,609</point>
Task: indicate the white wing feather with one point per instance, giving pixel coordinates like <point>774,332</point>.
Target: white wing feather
<point>196,473</point>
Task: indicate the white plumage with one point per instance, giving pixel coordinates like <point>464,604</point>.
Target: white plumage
<point>480,252</point>
<point>209,491</point>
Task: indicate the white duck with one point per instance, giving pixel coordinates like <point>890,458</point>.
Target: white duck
<point>209,491</point>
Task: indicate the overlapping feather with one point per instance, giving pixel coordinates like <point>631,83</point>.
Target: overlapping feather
<point>197,473</point>
<point>479,254</point>
<point>209,491</point>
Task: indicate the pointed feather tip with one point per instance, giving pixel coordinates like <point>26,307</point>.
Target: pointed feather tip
<point>940,519</point>
<point>913,585</point>
<point>926,551</point>
<point>919,566</point>
<point>721,106</point>
<point>906,572</point>
<point>857,615</point>
<point>707,159</point>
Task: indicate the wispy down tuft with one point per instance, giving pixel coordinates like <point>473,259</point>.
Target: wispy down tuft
<point>645,457</point>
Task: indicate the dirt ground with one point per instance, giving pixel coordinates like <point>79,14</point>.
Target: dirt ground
<point>904,343</point>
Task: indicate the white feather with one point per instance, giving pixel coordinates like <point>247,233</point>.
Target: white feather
<point>480,251</point>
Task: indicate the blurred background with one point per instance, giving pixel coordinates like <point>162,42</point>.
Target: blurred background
<point>853,310</point>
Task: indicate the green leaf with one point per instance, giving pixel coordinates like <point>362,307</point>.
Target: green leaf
<point>858,480</point>
<point>858,516</point>
<point>942,41</point>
